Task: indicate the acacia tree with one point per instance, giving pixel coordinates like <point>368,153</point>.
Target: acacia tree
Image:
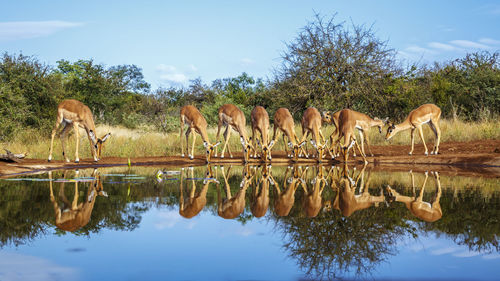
<point>333,65</point>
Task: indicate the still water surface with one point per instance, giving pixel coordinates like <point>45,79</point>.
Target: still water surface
<point>248,223</point>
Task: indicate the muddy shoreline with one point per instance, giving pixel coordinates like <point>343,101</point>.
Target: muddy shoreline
<point>477,158</point>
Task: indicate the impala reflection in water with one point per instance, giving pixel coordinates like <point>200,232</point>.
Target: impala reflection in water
<point>316,222</point>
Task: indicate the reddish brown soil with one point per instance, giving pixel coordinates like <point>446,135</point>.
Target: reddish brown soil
<point>477,158</point>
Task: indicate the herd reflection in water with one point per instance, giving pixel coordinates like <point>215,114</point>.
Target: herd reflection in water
<point>351,189</point>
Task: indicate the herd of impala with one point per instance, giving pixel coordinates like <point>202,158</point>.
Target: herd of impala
<point>73,113</point>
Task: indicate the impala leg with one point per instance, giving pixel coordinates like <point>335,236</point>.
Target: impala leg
<point>191,156</point>
<point>54,131</point>
<point>188,132</point>
<point>412,138</point>
<point>361,152</point>
<point>304,149</point>
<point>254,143</point>
<point>421,133</point>
<point>288,154</point>
<point>63,144</point>
<point>438,194</point>
<point>227,133</point>
<point>217,136</point>
<point>421,194</point>
<point>180,135</point>
<point>77,137</point>
<point>437,133</point>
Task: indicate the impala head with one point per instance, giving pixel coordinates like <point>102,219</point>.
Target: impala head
<point>209,149</point>
<point>97,144</point>
<point>391,130</point>
<point>327,117</point>
<point>266,150</point>
<point>381,123</point>
<point>296,149</point>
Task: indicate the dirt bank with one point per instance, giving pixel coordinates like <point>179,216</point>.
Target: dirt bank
<point>477,158</point>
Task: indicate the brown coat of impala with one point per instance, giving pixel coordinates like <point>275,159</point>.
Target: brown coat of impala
<point>192,206</point>
<point>311,125</point>
<point>259,198</point>
<point>74,114</point>
<point>427,113</point>
<point>191,116</point>
<point>283,121</point>
<point>260,124</point>
<point>231,116</point>
<point>347,125</point>
<point>312,196</point>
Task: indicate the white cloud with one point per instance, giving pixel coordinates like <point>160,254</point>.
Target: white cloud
<point>466,254</point>
<point>17,30</point>
<point>444,251</point>
<point>167,219</point>
<point>416,49</point>
<point>246,61</point>
<point>15,266</point>
<point>442,47</point>
<point>489,41</point>
<point>469,44</point>
<point>491,256</point>
<point>174,76</point>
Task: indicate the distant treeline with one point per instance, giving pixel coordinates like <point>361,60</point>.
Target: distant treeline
<point>328,65</point>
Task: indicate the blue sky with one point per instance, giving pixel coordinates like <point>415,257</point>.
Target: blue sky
<point>175,41</point>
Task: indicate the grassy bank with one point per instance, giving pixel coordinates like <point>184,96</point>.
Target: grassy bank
<point>145,142</point>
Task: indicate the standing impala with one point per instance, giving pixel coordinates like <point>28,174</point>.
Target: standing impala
<point>232,207</point>
<point>283,121</point>
<point>311,124</point>
<point>73,112</point>
<point>192,117</point>
<point>260,123</point>
<point>232,117</point>
<point>427,113</point>
<point>347,124</point>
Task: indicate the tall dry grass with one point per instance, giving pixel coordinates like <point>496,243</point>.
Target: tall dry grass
<point>147,142</point>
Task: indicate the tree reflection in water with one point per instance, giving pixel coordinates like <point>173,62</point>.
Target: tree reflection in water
<point>332,245</point>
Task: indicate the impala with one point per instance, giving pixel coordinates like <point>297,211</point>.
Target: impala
<point>232,207</point>
<point>260,124</point>
<point>232,116</point>
<point>427,113</point>
<point>73,112</point>
<point>71,217</point>
<point>196,123</point>
<point>193,205</point>
<point>283,121</point>
<point>347,124</point>
<point>429,212</point>
<point>311,125</point>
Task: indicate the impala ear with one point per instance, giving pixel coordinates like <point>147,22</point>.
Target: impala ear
<point>302,143</point>
<point>217,144</point>
<point>271,144</point>
<point>314,144</point>
<point>242,140</point>
<point>290,144</point>
<point>205,144</point>
<point>386,120</point>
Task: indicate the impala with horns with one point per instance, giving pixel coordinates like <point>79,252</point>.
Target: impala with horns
<point>232,117</point>
<point>283,121</point>
<point>196,123</point>
<point>347,125</point>
<point>426,211</point>
<point>260,124</point>
<point>311,125</point>
<point>73,113</point>
<point>427,113</point>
